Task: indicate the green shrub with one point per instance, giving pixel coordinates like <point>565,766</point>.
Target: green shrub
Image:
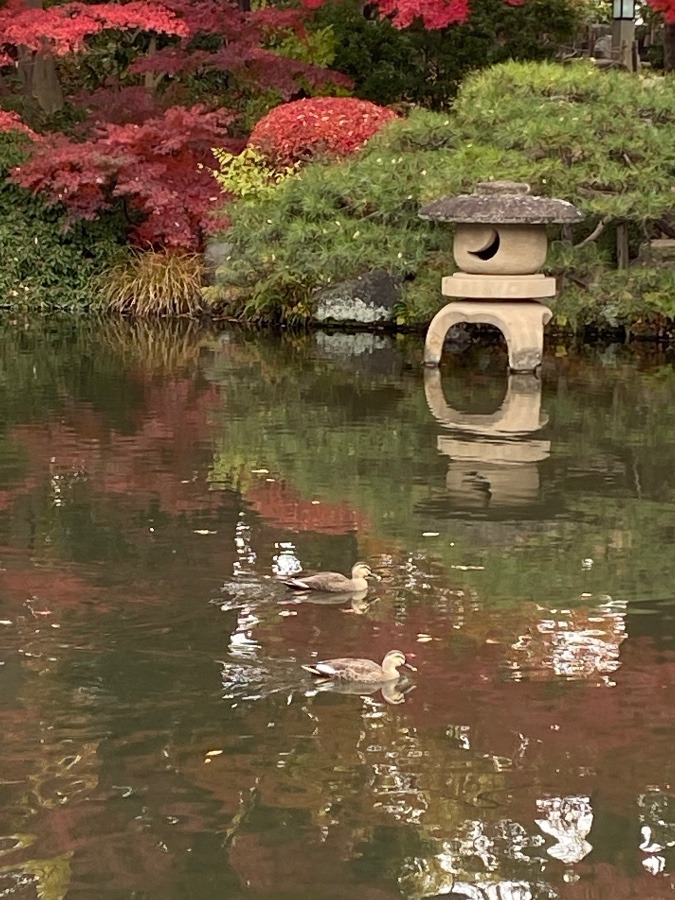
<point>604,140</point>
<point>416,65</point>
<point>46,266</point>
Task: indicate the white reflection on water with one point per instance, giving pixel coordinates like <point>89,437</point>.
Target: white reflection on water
<point>568,820</point>
<point>456,866</point>
<point>657,821</point>
<point>246,555</point>
<point>285,563</point>
<point>578,644</point>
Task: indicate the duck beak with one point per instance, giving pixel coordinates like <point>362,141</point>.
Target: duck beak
<point>409,666</point>
<point>375,576</point>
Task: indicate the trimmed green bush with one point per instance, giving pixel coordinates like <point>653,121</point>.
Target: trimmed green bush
<point>604,140</point>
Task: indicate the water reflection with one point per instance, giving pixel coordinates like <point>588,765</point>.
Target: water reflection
<point>494,463</point>
<point>159,736</point>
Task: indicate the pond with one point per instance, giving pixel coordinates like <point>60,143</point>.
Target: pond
<point>159,737</point>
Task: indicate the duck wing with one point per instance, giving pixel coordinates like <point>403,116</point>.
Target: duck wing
<point>322,581</point>
<point>346,669</point>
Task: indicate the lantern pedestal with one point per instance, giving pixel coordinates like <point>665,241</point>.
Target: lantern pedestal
<point>521,323</point>
<point>498,287</point>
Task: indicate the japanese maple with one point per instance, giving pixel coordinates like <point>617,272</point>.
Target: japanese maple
<point>666,8</point>
<point>432,13</point>
<point>63,29</point>
<point>145,153</point>
<point>336,126</point>
<point>159,170</point>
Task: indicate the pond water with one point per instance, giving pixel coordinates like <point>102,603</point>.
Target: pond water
<point>159,738</point>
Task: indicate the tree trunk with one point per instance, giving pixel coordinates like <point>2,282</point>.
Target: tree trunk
<point>39,76</point>
<point>669,46</point>
<point>40,81</point>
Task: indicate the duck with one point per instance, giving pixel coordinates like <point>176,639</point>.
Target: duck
<point>335,582</point>
<point>364,671</point>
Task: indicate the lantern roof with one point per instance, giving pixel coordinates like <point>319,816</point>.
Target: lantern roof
<point>501,202</point>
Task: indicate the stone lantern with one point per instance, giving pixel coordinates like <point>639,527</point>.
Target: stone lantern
<point>500,245</point>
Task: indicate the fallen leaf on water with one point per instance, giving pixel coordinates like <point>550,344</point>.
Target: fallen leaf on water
<point>213,752</point>
<point>203,531</point>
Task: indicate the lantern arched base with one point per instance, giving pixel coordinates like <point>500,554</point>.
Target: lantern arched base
<point>521,323</point>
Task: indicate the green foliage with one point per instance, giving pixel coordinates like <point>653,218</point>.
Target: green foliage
<point>604,140</point>
<point>325,223</point>
<point>374,444</point>
<point>155,284</point>
<point>642,300</point>
<point>426,67</point>
<point>44,265</point>
<point>316,47</point>
<point>247,173</point>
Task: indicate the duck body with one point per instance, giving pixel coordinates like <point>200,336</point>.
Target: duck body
<point>334,582</point>
<point>362,671</point>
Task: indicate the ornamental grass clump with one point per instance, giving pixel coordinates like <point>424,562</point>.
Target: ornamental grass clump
<point>154,284</point>
<point>315,127</point>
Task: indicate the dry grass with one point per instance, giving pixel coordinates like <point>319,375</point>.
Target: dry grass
<point>151,284</point>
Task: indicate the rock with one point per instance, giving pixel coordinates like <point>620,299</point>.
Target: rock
<point>659,252</point>
<point>365,300</point>
<point>216,254</point>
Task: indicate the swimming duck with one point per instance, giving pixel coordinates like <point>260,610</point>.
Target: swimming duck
<point>360,670</point>
<point>335,582</point>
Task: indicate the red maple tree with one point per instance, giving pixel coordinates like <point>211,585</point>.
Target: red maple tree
<point>159,169</point>
<point>138,149</point>
<point>432,13</point>
<point>666,8</point>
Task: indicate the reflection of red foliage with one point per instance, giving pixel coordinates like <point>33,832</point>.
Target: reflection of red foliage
<point>601,881</point>
<point>154,463</point>
<point>45,585</point>
<point>282,506</point>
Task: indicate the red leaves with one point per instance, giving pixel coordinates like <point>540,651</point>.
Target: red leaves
<point>11,121</point>
<point>432,13</point>
<point>301,130</point>
<point>155,167</point>
<point>666,7</point>
<point>63,29</point>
